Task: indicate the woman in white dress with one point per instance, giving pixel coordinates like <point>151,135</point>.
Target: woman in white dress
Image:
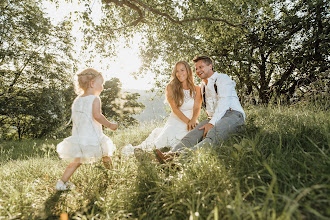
<point>185,100</point>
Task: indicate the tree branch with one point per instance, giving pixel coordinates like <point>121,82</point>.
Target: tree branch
<point>130,5</point>
<point>170,18</point>
<point>166,15</point>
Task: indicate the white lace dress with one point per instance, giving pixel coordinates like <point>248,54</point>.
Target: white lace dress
<point>87,141</point>
<point>172,132</point>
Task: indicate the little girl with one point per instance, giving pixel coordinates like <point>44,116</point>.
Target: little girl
<point>87,143</point>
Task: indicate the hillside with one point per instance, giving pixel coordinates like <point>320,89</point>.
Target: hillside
<point>155,108</point>
<point>278,168</point>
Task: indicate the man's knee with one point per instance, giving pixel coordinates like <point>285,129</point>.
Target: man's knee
<point>227,127</point>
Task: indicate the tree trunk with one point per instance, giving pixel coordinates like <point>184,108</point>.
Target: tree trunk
<point>263,90</point>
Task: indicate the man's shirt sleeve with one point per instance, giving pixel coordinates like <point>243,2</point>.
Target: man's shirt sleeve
<point>225,87</point>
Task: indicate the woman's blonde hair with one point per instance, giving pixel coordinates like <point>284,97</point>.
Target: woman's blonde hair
<point>176,85</point>
<point>84,79</point>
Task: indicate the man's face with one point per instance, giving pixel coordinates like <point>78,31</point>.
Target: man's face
<point>203,70</point>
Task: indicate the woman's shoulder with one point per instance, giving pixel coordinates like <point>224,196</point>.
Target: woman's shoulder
<point>169,89</point>
<point>197,89</point>
<point>169,86</point>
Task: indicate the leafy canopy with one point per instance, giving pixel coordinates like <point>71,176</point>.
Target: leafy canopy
<point>271,48</point>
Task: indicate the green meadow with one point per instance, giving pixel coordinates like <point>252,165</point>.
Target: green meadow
<point>278,168</point>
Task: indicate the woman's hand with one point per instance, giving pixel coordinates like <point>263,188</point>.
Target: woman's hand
<point>192,124</point>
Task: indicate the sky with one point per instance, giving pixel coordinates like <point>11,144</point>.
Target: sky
<point>127,60</point>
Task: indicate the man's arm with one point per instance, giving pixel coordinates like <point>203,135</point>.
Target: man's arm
<point>226,88</point>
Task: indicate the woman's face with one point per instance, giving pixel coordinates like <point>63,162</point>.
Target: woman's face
<point>181,72</point>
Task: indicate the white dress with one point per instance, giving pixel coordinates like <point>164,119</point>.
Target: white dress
<point>172,132</point>
<point>87,141</point>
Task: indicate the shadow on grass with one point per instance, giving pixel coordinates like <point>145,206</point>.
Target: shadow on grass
<point>25,149</point>
<point>92,192</point>
<point>50,206</point>
<point>148,191</point>
<point>146,183</point>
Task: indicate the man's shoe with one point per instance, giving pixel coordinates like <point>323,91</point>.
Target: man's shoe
<point>160,156</point>
<point>164,149</point>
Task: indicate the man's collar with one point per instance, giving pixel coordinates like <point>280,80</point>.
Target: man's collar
<point>213,77</point>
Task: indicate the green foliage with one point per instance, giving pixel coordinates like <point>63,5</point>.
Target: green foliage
<point>120,107</point>
<point>276,169</point>
<point>38,113</point>
<point>44,112</point>
<point>270,48</point>
<point>35,69</point>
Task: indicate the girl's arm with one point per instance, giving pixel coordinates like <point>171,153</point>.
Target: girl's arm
<point>174,108</point>
<point>99,117</point>
<point>196,109</point>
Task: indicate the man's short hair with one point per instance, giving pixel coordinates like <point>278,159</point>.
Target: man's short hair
<point>207,60</point>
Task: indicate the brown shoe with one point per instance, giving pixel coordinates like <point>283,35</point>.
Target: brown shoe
<point>165,157</point>
<point>160,156</point>
<point>171,155</point>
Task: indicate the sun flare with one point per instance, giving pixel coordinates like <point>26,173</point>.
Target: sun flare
<point>122,66</point>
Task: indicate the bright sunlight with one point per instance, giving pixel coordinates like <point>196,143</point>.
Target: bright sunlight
<point>122,66</point>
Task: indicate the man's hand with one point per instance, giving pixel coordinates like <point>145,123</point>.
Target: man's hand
<point>191,124</point>
<point>206,128</point>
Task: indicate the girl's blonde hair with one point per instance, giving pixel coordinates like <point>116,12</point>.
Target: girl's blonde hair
<point>84,79</point>
<point>176,85</point>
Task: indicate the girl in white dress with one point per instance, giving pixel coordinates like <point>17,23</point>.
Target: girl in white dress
<point>185,101</point>
<point>87,143</point>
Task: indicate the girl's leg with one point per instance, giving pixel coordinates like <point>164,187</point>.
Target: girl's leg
<point>107,162</point>
<point>70,169</point>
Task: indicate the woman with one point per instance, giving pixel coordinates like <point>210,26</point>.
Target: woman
<point>185,101</point>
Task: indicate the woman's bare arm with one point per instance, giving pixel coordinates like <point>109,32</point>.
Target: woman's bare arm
<point>196,109</point>
<point>174,107</point>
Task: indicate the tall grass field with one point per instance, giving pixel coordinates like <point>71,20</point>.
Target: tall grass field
<point>278,168</point>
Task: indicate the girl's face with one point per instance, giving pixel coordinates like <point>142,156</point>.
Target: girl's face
<point>98,84</point>
<point>181,72</point>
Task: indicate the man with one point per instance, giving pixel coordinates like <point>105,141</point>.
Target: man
<point>225,113</point>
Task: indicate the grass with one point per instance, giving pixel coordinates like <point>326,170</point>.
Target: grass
<point>277,169</point>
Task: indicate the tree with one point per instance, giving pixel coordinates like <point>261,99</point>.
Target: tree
<point>117,106</point>
<point>35,66</point>
<point>38,113</point>
<point>271,48</point>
